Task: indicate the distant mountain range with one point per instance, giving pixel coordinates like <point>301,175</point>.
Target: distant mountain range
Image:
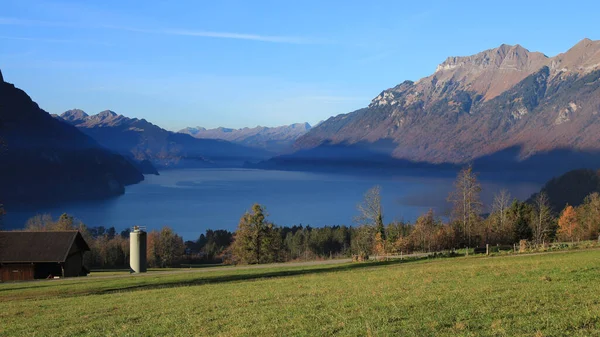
<point>43,159</point>
<point>505,109</point>
<point>144,141</point>
<point>505,105</point>
<point>273,139</point>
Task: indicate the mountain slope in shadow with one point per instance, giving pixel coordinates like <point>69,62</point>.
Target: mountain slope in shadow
<point>42,158</point>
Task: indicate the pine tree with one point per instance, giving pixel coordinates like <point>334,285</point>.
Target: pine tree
<point>256,240</point>
<point>519,215</point>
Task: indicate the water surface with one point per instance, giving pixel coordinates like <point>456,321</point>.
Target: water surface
<point>193,200</point>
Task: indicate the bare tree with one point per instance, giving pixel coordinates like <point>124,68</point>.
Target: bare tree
<point>499,215</point>
<point>466,203</point>
<point>370,221</point>
<point>40,222</point>
<point>542,217</point>
<point>370,211</point>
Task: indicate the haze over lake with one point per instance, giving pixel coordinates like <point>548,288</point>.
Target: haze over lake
<point>193,200</point>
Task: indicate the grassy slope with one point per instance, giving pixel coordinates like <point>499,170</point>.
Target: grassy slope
<point>543,295</point>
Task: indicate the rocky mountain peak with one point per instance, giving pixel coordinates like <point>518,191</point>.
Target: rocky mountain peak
<point>477,105</point>
<point>79,118</point>
<point>505,56</point>
<point>300,126</point>
<point>107,114</point>
<point>489,73</point>
<point>581,58</point>
<point>74,115</point>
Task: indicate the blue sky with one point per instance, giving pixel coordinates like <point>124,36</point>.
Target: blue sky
<point>248,63</point>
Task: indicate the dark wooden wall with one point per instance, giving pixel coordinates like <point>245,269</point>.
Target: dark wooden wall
<point>16,272</point>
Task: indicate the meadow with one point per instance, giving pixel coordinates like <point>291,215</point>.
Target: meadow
<point>548,294</point>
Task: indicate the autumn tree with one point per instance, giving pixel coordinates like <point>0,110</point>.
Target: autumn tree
<point>152,242</point>
<point>443,237</point>
<point>568,228</point>
<point>39,222</point>
<point>45,222</point>
<point>256,240</point>
<point>542,218</point>
<point>169,247</point>
<point>588,215</point>
<point>65,222</point>
<point>379,245</point>
<point>423,234</point>
<point>164,248</point>
<point>466,204</point>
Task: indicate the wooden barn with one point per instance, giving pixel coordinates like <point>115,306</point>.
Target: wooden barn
<point>38,255</point>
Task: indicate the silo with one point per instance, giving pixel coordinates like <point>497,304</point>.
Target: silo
<point>137,250</point>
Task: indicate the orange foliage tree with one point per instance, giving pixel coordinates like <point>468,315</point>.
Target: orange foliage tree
<point>379,245</point>
<point>568,227</point>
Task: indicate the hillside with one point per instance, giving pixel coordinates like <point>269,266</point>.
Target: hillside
<point>571,188</point>
<point>45,159</point>
<point>274,139</point>
<point>476,106</point>
<point>472,296</point>
<point>143,140</point>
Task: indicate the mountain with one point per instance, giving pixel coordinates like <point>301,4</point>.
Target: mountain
<point>44,159</point>
<point>477,106</point>
<point>274,139</point>
<point>144,141</point>
<point>570,188</point>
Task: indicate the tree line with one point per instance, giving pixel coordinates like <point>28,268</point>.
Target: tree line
<point>509,221</point>
<point>109,248</point>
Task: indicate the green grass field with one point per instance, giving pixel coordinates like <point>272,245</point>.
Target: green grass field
<point>554,294</point>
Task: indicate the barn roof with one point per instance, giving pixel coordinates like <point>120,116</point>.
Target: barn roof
<point>24,246</point>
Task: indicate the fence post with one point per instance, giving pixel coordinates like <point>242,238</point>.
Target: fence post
<point>487,249</point>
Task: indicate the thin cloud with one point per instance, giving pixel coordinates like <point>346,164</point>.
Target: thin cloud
<point>27,22</point>
<point>75,64</point>
<point>178,32</point>
<point>223,35</point>
<point>36,39</point>
<point>336,98</point>
<point>238,36</point>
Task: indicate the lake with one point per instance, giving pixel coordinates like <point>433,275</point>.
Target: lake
<point>193,200</point>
